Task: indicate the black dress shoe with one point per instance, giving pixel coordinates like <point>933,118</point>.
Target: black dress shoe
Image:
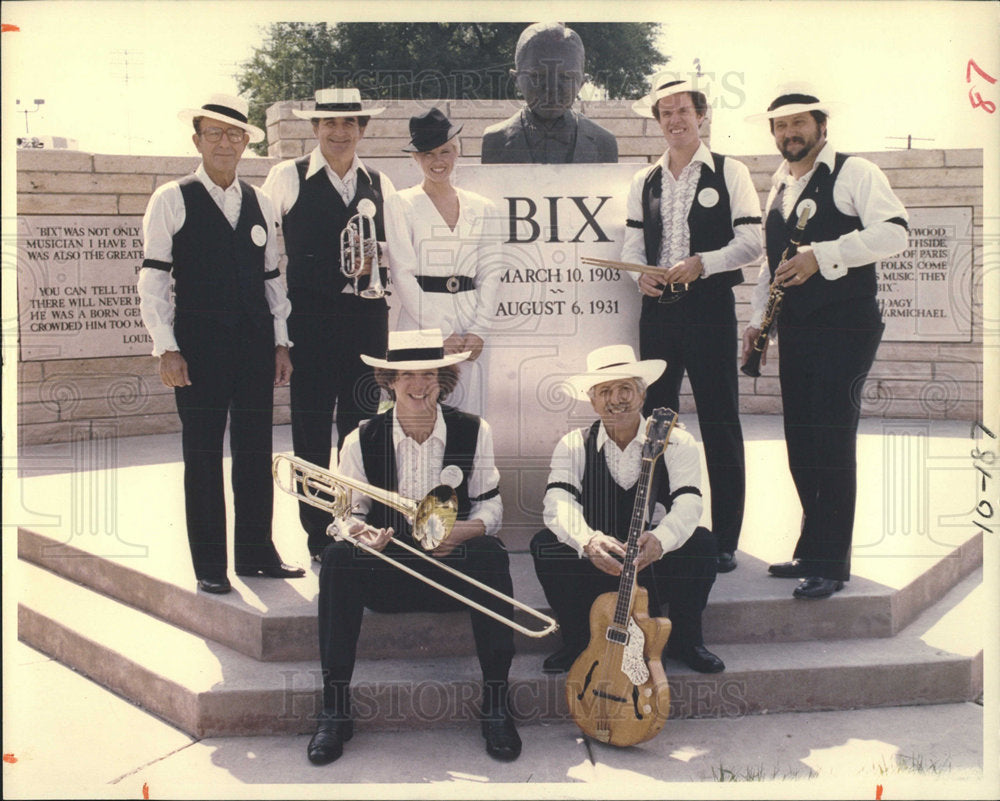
<point>216,586</point>
<point>697,657</point>
<point>327,744</point>
<point>726,564</point>
<point>817,587</point>
<point>563,659</point>
<point>793,569</point>
<point>280,570</point>
<point>502,740</point>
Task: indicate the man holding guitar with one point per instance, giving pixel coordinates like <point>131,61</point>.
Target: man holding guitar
<point>588,505</point>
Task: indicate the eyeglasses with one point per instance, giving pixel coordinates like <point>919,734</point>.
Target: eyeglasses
<point>213,135</point>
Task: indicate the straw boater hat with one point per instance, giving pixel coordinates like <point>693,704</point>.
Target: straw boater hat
<point>337,103</point>
<point>663,84</point>
<point>225,108</point>
<point>430,130</point>
<point>794,98</point>
<point>416,350</point>
<point>614,362</point>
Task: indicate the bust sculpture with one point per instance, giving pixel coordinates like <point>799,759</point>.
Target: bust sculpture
<point>549,71</point>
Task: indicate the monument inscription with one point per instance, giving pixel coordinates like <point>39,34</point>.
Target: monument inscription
<point>77,287</point>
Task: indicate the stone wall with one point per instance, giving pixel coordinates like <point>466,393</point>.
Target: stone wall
<point>67,399</point>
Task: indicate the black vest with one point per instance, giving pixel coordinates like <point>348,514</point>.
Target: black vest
<point>606,506</point>
<point>709,228</point>
<point>379,458</point>
<point>313,225</point>
<point>826,224</point>
<point>219,271</point>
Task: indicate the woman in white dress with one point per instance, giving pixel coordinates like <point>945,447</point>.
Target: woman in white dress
<point>446,257</point>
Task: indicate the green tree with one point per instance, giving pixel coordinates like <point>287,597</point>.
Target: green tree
<point>430,60</point>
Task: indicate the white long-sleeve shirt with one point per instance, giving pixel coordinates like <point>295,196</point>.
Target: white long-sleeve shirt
<point>563,512</point>
<point>675,204</point>
<point>282,186</point>
<point>164,217</point>
<point>419,468</point>
<point>422,244</point>
<point>862,191</point>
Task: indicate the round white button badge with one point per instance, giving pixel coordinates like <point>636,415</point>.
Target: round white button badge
<point>452,476</point>
<point>258,235</point>
<point>708,197</point>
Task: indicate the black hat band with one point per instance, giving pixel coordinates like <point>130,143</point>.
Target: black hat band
<point>792,99</point>
<point>229,112</point>
<point>338,107</point>
<point>414,354</point>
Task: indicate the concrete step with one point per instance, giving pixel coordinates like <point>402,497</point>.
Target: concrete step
<point>275,621</point>
<point>209,689</point>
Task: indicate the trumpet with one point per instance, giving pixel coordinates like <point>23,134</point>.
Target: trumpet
<point>432,519</point>
<point>358,245</point>
<point>775,295</point>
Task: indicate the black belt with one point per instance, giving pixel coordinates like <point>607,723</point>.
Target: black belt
<point>445,283</point>
<point>673,292</point>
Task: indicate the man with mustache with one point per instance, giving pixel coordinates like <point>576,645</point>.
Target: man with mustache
<point>830,324</point>
<point>589,499</point>
<point>549,72</point>
<point>695,214</point>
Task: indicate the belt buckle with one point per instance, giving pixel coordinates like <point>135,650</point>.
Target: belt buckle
<point>452,284</point>
<point>673,292</point>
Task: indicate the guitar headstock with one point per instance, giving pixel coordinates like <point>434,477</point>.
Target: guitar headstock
<point>658,427</point>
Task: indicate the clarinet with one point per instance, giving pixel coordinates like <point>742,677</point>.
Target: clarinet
<point>751,366</point>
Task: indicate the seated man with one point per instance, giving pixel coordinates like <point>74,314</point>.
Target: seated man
<point>588,508</point>
<point>410,449</point>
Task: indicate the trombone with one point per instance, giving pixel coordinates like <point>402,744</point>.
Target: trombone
<point>431,518</point>
<point>358,244</point>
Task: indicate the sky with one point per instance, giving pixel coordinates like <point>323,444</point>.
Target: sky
<point>114,74</point>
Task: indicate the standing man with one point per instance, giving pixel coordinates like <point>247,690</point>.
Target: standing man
<point>224,344</point>
<point>695,214</point>
<point>549,72</point>
<point>588,509</point>
<point>331,323</point>
<point>829,326</point>
<point>410,449</point>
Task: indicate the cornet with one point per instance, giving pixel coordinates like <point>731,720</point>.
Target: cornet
<point>432,520</point>
<point>358,245</point>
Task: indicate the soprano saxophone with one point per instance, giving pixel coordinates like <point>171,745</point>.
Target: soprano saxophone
<point>751,366</point>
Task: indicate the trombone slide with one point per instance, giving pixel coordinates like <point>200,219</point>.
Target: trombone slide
<point>432,520</point>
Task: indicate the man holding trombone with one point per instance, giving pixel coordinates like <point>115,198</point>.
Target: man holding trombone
<point>337,304</point>
<point>410,449</point>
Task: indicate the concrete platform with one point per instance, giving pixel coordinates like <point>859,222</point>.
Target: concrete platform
<point>67,737</point>
<point>907,630</point>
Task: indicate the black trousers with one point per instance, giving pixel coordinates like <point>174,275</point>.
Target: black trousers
<point>351,580</point>
<point>698,334</point>
<point>823,367</point>
<point>232,377</point>
<point>678,585</point>
<point>328,334</point>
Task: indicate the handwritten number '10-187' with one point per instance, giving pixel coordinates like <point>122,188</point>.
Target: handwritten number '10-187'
<point>975,98</point>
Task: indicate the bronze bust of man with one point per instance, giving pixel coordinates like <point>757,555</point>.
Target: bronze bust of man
<point>549,73</point>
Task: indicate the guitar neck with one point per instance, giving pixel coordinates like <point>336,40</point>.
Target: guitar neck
<point>627,584</point>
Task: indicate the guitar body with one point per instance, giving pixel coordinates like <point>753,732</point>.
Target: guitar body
<point>603,699</point>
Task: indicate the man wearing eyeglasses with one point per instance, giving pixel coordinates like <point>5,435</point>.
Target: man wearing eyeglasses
<point>549,72</point>
<point>222,340</point>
